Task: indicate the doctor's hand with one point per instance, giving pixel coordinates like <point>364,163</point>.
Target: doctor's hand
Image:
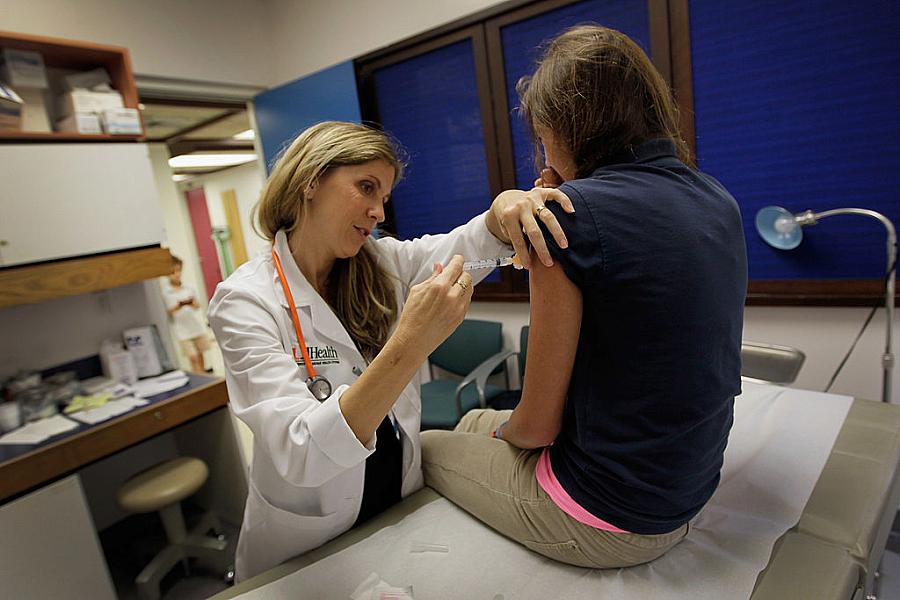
<point>514,216</point>
<point>436,307</point>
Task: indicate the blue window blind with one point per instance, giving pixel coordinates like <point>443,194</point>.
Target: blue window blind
<point>430,104</point>
<point>797,104</point>
<point>522,42</point>
<point>284,111</point>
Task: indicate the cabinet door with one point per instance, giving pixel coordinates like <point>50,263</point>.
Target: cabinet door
<point>63,200</point>
<point>50,548</point>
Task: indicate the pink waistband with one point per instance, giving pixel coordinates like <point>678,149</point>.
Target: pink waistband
<point>548,482</point>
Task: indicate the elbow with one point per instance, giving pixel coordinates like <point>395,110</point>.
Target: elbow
<point>531,438</point>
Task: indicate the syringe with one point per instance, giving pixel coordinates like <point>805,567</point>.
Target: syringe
<point>492,263</point>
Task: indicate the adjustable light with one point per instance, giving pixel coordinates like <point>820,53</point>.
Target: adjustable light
<point>783,230</point>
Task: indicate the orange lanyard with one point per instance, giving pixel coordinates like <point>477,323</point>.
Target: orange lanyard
<point>311,371</point>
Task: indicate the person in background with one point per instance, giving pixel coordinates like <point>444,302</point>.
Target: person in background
<point>187,320</point>
<point>633,354</point>
<point>324,335</point>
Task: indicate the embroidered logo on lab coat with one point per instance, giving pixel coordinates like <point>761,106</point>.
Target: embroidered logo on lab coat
<point>318,355</point>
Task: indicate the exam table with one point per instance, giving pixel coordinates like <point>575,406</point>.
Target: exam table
<point>832,553</point>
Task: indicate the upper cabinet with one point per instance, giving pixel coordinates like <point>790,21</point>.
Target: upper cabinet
<point>64,200</point>
<point>61,60</point>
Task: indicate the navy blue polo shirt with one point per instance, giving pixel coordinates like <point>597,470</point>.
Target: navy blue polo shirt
<point>657,250</point>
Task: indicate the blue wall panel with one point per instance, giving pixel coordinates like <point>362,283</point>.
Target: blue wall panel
<point>522,43</point>
<point>284,111</point>
<point>798,104</point>
<point>430,104</point>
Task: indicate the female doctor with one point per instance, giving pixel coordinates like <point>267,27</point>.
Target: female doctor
<point>323,336</point>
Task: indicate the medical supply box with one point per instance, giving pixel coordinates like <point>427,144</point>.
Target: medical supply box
<point>80,123</point>
<point>121,121</point>
<point>10,109</point>
<point>86,101</point>
<point>23,69</point>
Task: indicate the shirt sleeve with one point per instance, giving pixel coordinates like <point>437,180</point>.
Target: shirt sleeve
<point>583,260</point>
<point>412,260</point>
<point>308,442</point>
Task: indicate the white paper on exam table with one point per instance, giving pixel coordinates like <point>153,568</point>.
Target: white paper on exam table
<point>109,410</point>
<point>38,431</point>
<point>778,447</point>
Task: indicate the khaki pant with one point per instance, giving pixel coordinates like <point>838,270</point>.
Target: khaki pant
<point>495,482</point>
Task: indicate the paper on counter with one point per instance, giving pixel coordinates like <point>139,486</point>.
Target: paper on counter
<point>38,431</point>
<point>107,411</point>
<point>162,383</point>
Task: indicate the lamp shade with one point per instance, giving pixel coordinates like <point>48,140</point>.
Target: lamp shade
<point>778,228</point>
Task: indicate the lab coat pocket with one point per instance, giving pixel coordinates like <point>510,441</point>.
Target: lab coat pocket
<point>273,535</point>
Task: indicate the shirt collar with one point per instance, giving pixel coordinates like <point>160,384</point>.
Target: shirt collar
<point>300,288</point>
<point>324,321</point>
<point>642,153</point>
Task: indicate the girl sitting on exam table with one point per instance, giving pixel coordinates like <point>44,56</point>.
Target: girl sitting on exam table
<point>634,345</point>
<point>323,335</point>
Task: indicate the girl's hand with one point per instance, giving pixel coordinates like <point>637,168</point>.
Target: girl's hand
<point>515,212</point>
<point>436,307</point>
<point>549,179</point>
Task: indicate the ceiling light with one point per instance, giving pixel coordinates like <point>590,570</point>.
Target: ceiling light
<point>183,161</point>
<point>245,135</point>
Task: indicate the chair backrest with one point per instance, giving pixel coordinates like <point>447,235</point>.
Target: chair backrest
<point>470,345</point>
<point>523,351</point>
<point>768,362</point>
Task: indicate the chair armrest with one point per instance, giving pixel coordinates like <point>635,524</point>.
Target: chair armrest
<point>479,376</point>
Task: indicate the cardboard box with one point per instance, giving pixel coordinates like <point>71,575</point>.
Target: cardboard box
<point>84,101</point>
<point>95,79</point>
<point>34,110</point>
<point>122,121</point>
<point>80,123</point>
<point>10,109</point>
<point>23,69</point>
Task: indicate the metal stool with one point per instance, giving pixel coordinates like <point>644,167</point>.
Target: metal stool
<point>161,489</point>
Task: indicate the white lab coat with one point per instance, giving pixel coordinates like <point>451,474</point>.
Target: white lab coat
<point>306,478</point>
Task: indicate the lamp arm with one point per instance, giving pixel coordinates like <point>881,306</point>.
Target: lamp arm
<point>887,360</point>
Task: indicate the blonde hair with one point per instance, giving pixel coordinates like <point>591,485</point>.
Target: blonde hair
<point>599,94</point>
<point>360,291</point>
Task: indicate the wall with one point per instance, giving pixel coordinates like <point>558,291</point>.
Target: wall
<point>303,36</point>
<point>66,329</point>
<point>207,40</point>
<point>247,184</point>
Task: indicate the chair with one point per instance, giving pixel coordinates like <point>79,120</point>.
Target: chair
<point>475,352</point>
<point>161,489</point>
<point>769,363</point>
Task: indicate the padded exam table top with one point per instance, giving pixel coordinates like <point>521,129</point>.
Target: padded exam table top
<point>831,554</point>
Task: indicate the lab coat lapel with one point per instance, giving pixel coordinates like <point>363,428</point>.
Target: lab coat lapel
<point>325,322</point>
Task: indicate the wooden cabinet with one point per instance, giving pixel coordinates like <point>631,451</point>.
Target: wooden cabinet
<point>74,217</point>
<point>70,55</point>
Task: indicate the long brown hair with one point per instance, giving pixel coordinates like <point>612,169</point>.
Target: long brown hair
<point>360,291</point>
<point>599,94</point>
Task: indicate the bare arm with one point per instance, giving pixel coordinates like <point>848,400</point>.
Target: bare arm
<point>556,308</point>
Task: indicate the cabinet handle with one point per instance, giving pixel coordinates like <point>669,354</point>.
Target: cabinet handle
<point>158,415</point>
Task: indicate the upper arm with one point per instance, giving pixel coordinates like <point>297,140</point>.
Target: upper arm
<point>412,260</point>
<point>556,309</point>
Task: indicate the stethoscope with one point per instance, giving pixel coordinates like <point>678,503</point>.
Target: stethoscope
<point>318,385</point>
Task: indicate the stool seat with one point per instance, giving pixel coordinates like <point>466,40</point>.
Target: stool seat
<point>162,485</point>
